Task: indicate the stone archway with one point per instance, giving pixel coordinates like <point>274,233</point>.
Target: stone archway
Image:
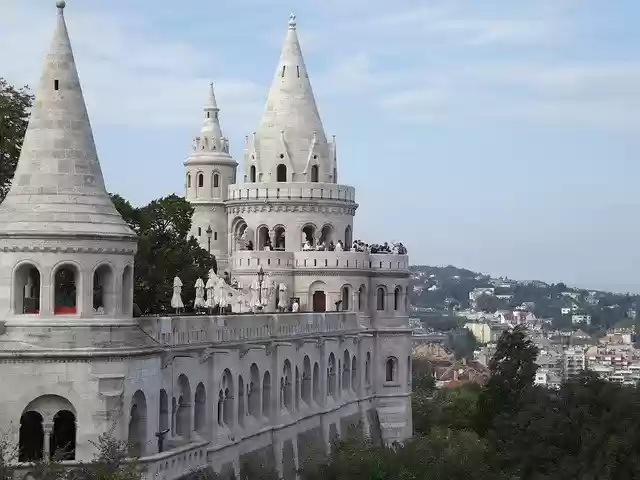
<point>57,417</point>
<point>62,444</point>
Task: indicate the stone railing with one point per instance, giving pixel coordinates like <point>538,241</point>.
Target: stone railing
<point>250,260</point>
<point>291,191</point>
<point>183,330</point>
<point>176,463</point>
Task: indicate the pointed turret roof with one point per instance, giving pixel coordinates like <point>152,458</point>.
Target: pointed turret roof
<point>211,116</point>
<point>291,120</point>
<point>58,188</point>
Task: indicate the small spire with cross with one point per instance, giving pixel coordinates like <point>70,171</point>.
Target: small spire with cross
<point>292,21</point>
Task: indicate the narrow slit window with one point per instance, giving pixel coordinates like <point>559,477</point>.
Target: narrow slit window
<point>298,70</point>
<point>284,67</point>
<point>215,235</point>
<point>56,84</point>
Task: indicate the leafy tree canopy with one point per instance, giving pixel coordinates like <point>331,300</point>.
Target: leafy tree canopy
<point>165,250</point>
<point>14,117</point>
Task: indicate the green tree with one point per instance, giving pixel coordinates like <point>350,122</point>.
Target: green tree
<point>165,250</point>
<point>513,370</point>
<point>14,118</point>
<point>463,343</point>
<point>489,303</point>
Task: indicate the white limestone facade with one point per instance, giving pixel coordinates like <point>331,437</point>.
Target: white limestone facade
<point>192,391</point>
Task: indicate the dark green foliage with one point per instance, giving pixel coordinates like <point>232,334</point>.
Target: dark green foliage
<point>14,117</point>
<point>462,343</point>
<point>165,250</point>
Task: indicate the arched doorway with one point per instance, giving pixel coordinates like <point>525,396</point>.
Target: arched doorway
<point>184,411</point>
<point>309,234</point>
<point>62,444</point>
<point>319,301</point>
<point>31,442</point>
<point>103,290</point>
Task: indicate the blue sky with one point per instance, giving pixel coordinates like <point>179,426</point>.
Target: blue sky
<point>499,136</point>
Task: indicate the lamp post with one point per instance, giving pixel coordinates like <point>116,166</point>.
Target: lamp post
<point>260,280</point>
<point>209,232</point>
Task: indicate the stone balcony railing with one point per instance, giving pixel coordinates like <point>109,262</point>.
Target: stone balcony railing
<point>251,260</point>
<point>291,191</point>
<point>198,329</point>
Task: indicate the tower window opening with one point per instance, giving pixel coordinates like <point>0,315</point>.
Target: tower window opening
<point>282,155</point>
<point>27,290</point>
<point>215,235</point>
<point>216,180</point>
<point>199,231</point>
<point>56,85</point>
<point>188,180</point>
<point>65,292</point>
<point>314,173</point>
<point>208,114</point>
<point>200,180</point>
<point>284,67</point>
<point>103,292</point>
<point>252,173</point>
<point>281,173</point>
<point>298,70</point>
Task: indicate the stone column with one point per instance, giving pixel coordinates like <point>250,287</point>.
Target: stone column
<point>48,429</point>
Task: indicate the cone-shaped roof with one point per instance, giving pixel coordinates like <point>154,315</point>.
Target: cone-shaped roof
<point>58,188</point>
<point>291,117</point>
<point>211,125</point>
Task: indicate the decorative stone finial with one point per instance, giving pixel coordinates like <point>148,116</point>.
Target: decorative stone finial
<point>60,4</point>
<point>292,21</point>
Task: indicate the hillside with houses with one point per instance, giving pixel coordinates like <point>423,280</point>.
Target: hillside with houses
<point>441,293</point>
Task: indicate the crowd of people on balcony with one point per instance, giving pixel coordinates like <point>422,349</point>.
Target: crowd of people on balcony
<point>396,248</point>
<point>322,246</point>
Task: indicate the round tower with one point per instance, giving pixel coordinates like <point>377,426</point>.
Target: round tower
<point>65,250</point>
<point>290,193</point>
<point>210,169</point>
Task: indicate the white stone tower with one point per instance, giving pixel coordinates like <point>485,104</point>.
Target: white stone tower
<point>210,170</point>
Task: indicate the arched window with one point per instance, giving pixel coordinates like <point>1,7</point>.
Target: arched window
<point>163,414</point>
<point>335,175</point>
<point>266,395</point>
<point>380,294</point>
<point>354,375</point>
<point>62,444</point>
<point>346,370</point>
<point>216,180</point>
<point>200,180</point>
<point>287,381</point>
<point>396,298</point>
<point>314,173</point>
<point>103,290</point>
<point>65,292</point>
<point>183,407</point>
<point>362,298</point>
<point>348,241</point>
<point>200,412</point>
<point>390,369</point>
<point>127,291</point>
<point>306,380</point>
<point>254,391</point>
<point>345,298</point>
<point>367,370</point>
<point>26,286</point>
<point>31,440</point>
<point>281,173</point>
<point>240,401</point>
<point>331,376</point>
<point>188,180</point>
<point>316,383</point>
<point>138,424</point>
<point>252,173</point>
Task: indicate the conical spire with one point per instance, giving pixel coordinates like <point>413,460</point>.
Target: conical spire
<point>211,125</point>
<point>291,119</point>
<point>58,188</point>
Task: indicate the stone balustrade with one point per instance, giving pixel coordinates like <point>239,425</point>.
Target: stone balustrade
<point>251,260</point>
<point>292,191</point>
<point>184,330</point>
